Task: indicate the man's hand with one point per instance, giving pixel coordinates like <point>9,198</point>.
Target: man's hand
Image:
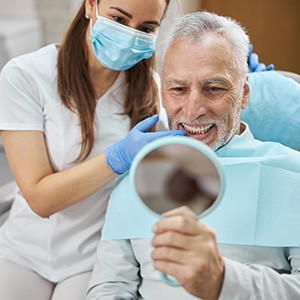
<point>187,250</point>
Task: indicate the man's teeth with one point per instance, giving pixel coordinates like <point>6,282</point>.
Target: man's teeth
<point>197,130</point>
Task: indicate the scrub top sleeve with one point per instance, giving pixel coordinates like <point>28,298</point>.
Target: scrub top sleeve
<point>20,108</point>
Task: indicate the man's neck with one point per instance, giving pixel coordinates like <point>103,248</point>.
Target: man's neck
<point>242,128</point>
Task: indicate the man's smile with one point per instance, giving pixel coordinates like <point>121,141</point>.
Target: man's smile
<point>197,129</point>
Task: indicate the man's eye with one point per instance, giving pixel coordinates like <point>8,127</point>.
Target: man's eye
<point>214,92</point>
<point>214,89</point>
<point>178,90</point>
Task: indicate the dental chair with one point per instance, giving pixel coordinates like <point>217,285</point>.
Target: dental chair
<point>7,194</point>
<point>7,186</point>
<point>292,75</point>
<point>273,111</point>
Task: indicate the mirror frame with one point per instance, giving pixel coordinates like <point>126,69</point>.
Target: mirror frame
<point>178,140</point>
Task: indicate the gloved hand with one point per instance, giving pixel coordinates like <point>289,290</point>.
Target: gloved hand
<point>254,65</point>
<point>119,156</point>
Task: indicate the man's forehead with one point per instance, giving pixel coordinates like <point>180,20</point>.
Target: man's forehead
<point>201,60</point>
<point>210,43</point>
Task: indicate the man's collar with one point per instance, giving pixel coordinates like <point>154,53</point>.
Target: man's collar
<point>245,131</point>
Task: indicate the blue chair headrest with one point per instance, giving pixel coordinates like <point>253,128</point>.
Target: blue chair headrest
<point>273,111</point>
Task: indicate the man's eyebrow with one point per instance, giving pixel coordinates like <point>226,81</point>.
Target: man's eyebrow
<point>172,81</point>
<point>128,15</point>
<point>215,80</point>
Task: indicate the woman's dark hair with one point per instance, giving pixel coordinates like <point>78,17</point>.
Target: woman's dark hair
<point>78,94</point>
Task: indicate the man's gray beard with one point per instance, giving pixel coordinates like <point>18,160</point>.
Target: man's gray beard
<point>228,136</point>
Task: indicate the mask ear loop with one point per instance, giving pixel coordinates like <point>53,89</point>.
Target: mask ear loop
<point>97,13</point>
<point>97,16</point>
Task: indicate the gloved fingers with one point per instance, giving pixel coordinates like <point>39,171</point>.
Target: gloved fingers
<point>249,53</point>
<point>155,135</point>
<point>260,67</point>
<point>253,61</point>
<point>146,124</point>
<point>270,67</point>
<point>250,49</point>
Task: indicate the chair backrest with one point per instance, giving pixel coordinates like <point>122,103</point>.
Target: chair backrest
<point>292,75</point>
<point>7,186</point>
<point>273,111</point>
<point>7,195</point>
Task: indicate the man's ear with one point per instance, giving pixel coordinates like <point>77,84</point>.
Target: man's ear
<point>246,94</point>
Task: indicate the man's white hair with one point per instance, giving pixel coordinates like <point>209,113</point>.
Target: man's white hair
<point>196,26</point>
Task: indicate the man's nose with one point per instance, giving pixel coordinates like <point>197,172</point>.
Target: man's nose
<point>196,105</point>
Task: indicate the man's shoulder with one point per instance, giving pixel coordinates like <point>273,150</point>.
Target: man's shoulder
<point>240,146</point>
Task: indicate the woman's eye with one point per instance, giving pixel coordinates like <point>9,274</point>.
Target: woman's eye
<point>146,29</point>
<point>119,20</point>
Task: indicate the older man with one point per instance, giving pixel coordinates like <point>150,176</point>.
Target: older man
<point>204,89</point>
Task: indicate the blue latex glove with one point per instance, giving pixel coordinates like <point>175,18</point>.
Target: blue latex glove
<point>119,156</point>
<point>253,63</point>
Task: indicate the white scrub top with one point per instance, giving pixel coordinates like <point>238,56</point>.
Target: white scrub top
<point>65,243</point>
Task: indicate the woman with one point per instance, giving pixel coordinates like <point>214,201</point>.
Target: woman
<point>63,110</point>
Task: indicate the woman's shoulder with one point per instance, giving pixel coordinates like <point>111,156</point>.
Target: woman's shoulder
<point>36,63</point>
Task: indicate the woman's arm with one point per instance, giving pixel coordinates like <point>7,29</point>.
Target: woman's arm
<point>48,192</point>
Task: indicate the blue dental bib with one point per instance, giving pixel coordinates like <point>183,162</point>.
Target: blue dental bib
<point>260,205</point>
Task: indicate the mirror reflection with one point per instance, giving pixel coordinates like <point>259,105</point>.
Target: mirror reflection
<point>175,175</point>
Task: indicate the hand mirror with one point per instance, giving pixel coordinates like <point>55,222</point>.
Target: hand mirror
<point>175,171</point>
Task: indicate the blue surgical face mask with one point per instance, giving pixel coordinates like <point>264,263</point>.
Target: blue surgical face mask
<point>119,47</point>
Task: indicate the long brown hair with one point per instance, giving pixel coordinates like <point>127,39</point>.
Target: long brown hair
<point>78,94</point>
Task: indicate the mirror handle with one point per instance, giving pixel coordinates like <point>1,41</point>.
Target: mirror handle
<point>168,279</point>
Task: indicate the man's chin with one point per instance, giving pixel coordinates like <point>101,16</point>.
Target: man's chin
<point>213,144</point>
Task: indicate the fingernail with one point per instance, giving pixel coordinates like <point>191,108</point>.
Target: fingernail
<point>154,228</point>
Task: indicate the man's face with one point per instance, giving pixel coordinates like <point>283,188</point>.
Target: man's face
<point>202,90</point>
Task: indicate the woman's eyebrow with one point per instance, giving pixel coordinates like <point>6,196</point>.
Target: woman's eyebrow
<point>130,16</point>
<point>122,12</point>
<point>152,22</point>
